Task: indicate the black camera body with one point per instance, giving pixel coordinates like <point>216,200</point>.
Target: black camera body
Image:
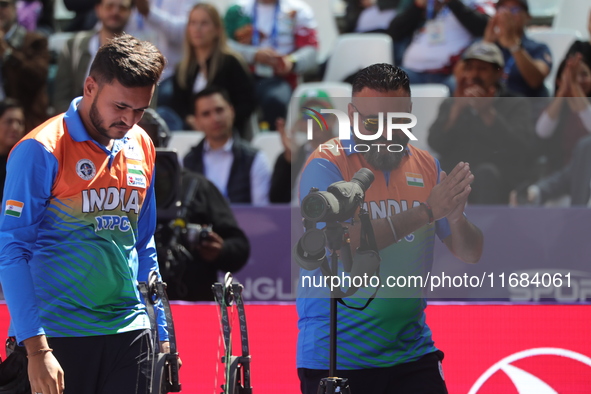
<point>339,202</point>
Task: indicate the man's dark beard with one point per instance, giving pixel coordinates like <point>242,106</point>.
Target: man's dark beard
<point>385,160</point>
<point>97,120</point>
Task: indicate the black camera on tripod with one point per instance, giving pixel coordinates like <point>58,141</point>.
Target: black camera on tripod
<point>340,200</point>
<point>337,204</point>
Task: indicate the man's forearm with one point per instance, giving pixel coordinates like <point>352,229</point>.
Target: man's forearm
<point>466,240</point>
<point>36,343</point>
<point>404,223</point>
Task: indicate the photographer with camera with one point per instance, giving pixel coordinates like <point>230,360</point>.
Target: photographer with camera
<point>204,239</point>
<point>212,238</point>
<point>387,346</point>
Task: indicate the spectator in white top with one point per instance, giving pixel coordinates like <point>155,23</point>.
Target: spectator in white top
<point>440,30</point>
<point>239,171</point>
<point>278,40</point>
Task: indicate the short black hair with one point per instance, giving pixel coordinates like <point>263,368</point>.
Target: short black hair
<point>382,77</point>
<point>9,103</point>
<point>210,91</point>
<point>133,63</point>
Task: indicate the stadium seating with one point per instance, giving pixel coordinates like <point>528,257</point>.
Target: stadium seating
<point>184,140</point>
<point>355,51</point>
<point>573,14</point>
<point>558,40</point>
<point>270,144</point>
<point>339,90</point>
<point>543,8</point>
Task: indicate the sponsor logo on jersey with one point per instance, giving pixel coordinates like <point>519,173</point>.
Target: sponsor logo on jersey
<point>132,151</point>
<point>135,180</point>
<point>85,169</point>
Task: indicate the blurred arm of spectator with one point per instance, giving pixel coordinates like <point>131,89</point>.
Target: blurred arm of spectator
<point>474,20</point>
<point>409,20</point>
<point>574,180</point>
<point>173,27</point>
<point>569,89</point>
<point>512,126</point>
<point>302,59</point>
<point>504,30</point>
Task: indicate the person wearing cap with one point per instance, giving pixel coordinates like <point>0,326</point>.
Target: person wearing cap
<point>289,163</point>
<point>486,125</point>
<point>527,62</point>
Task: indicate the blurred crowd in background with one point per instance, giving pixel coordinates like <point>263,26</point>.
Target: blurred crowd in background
<point>233,67</point>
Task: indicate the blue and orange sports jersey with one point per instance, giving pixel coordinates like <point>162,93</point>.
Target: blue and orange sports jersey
<point>389,331</point>
<point>76,231</point>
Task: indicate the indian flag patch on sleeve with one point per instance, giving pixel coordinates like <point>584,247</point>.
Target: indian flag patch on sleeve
<point>14,208</point>
<point>414,179</point>
<point>135,167</point>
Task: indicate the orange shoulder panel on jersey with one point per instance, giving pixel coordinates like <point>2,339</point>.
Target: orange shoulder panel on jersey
<point>48,133</point>
<point>413,180</point>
